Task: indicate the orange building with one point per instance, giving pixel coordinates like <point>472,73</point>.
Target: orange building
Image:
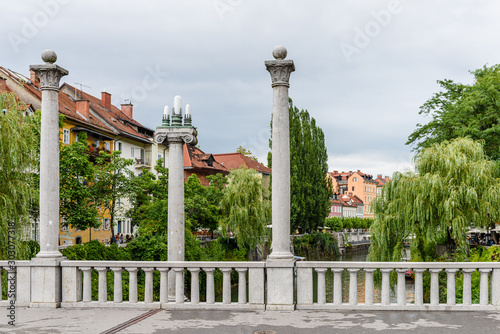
<point>358,184</point>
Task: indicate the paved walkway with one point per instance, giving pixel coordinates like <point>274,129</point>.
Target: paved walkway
<point>45,321</point>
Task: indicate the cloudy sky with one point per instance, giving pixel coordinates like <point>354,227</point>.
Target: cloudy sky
<point>363,68</point>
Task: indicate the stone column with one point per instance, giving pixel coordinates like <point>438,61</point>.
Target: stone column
<point>280,70</point>
<point>49,75</point>
<point>175,134</point>
<point>280,273</point>
<point>46,272</point>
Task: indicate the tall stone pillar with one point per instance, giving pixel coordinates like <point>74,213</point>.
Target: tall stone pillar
<point>46,273</point>
<point>174,134</point>
<point>280,261</point>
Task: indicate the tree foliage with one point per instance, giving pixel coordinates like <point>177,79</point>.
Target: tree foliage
<point>246,208</point>
<point>246,153</point>
<point>455,186</point>
<point>310,191</point>
<point>201,204</point>
<point>19,144</point>
<point>463,111</point>
<point>90,187</point>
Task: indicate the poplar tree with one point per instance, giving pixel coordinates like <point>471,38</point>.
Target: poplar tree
<point>19,147</point>
<point>455,187</point>
<point>310,190</point>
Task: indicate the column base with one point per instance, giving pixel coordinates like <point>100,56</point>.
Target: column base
<point>280,285</point>
<point>46,276</point>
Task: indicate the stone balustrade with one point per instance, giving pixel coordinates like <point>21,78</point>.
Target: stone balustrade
<point>381,285</point>
<point>77,284</point>
<point>352,271</point>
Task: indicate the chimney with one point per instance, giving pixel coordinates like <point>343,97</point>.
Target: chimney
<point>106,100</point>
<point>335,172</point>
<point>82,106</point>
<point>127,109</point>
<point>379,176</point>
<point>35,80</point>
<point>387,178</point>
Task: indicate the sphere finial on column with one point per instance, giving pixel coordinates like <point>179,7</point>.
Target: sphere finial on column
<point>49,56</point>
<point>279,52</point>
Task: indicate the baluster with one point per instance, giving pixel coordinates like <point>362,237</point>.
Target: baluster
<point>103,284</point>
<point>226,285</point>
<point>419,286</point>
<point>210,285</point>
<point>337,286</point>
<point>118,289</point>
<point>321,285</point>
<point>401,286</point>
<point>386,286</point>
<point>467,293</point>
<point>484,293</point>
<point>435,286</point>
<point>87,284</point>
<point>242,285</point>
<point>195,285</point>
<point>132,284</point>
<point>1,297</point>
<point>148,288</point>
<point>11,273</point>
<point>450,286</point>
<point>353,286</point>
<point>369,286</point>
<point>179,285</point>
<point>163,284</point>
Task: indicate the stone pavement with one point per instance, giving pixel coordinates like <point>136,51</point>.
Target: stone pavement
<point>45,321</point>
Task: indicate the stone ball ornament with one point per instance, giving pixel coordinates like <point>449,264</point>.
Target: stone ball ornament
<point>49,56</point>
<point>279,52</point>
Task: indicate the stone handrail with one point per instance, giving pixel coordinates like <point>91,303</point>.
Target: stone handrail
<point>77,290</point>
<point>489,279</point>
<point>76,284</point>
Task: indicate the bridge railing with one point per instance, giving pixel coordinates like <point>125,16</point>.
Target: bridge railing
<point>352,273</point>
<point>77,284</point>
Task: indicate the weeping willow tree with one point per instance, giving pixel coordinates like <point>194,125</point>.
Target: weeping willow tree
<point>246,208</point>
<point>455,186</point>
<point>19,144</point>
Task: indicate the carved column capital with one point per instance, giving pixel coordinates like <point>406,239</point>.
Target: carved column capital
<point>280,71</point>
<point>49,75</point>
<point>186,135</point>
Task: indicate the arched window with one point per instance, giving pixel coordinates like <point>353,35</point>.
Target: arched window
<point>78,240</point>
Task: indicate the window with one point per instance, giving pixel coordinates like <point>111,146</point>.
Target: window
<point>352,188</point>
<point>106,145</point>
<point>132,152</point>
<point>65,136</point>
<point>78,240</point>
<point>106,224</point>
<point>120,147</point>
<point>355,179</point>
<point>76,139</point>
<point>97,143</point>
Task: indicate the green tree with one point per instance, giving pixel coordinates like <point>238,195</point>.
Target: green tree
<point>78,203</point>
<point>455,186</point>
<point>19,144</point>
<point>246,208</point>
<point>310,190</point>
<point>246,153</point>
<point>201,203</point>
<point>463,111</point>
<point>113,184</point>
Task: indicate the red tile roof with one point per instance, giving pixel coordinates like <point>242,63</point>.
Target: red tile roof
<point>237,160</point>
<point>114,117</point>
<point>195,158</point>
